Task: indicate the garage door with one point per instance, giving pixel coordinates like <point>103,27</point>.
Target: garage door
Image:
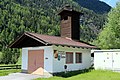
<point>36,62</point>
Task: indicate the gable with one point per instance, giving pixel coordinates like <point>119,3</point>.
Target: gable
<point>26,41</point>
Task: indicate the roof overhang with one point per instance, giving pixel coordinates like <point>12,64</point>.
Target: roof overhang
<point>32,40</point>
<point>27,40</point>
<point>67,9</point>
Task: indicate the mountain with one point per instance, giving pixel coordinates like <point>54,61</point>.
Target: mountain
<point>95,5</point>
<point>40,16</point>
<point>92,21</point>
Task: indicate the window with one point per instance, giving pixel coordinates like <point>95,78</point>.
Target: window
<point>78,57</point>
<point>69,57</point>
<point>55,54</point>
<point>66,18</point>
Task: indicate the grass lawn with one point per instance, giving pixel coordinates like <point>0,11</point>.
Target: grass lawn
<point>92,75</point>
<point>6,72</point>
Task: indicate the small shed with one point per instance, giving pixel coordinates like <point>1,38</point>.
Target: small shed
<point>107,59</point>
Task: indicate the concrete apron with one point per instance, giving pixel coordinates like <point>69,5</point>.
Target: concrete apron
<point>22,76</point>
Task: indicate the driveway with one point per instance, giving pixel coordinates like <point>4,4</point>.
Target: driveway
<point>21,76</point>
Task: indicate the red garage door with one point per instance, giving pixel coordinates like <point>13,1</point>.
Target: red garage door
<point>36,62</point>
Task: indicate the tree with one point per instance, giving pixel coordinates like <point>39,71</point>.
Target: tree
<point>109,38</point>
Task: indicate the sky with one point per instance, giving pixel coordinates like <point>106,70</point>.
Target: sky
<point>111,2</point>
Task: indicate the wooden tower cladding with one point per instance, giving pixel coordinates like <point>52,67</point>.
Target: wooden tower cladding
<point>70,26</point>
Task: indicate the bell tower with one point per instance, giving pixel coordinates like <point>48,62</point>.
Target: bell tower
<point>70,26</point>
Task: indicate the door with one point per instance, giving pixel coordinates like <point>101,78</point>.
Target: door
<point>108,60</point>
<point>36,62</point>
<point>116,61</point>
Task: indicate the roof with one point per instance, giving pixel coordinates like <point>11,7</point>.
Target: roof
<point>68,9</point>
<point>109,50</point>
<point>39,40</point>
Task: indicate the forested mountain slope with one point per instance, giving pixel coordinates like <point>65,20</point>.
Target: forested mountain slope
<point>95,5</point>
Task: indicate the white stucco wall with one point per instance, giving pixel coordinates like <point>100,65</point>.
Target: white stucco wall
<point>24,58</point>
<point>48,55</point>
<point>53,65</point>
<point>48,63</point>
<point>58,66</point>
<point>107,59</point>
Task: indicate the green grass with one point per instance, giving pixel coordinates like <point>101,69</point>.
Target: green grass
<point>92,75</point>
<point>6,72</point>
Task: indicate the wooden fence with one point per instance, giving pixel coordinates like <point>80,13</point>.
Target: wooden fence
<point>5,67</point>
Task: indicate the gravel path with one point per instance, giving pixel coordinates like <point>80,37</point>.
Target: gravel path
<point>21,76</point>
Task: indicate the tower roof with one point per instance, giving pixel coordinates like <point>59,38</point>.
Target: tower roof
<point>67,8</point>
